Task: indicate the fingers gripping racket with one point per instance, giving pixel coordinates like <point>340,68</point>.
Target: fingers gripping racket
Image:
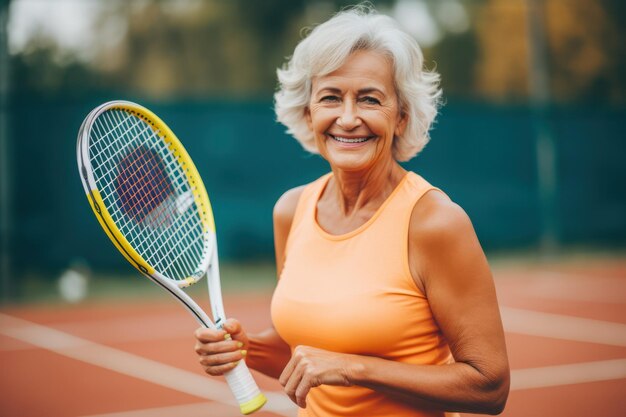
<point>150,200</point>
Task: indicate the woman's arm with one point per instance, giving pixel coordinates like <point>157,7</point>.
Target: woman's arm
<point>446,259</point>
<point>449,266</point>
<point>268,353</point>
<point>265,352</point>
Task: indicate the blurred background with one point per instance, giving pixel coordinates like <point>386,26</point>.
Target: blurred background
<point>530,140</point>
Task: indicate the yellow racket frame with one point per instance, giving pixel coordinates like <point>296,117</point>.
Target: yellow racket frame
<point>242,384</point>
<point>200,195</point>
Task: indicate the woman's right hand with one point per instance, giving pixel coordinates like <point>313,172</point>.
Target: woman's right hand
<point>219,351</point>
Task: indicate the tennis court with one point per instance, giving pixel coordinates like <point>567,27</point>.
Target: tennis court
<point>110,356</point>
<point>529,142</point>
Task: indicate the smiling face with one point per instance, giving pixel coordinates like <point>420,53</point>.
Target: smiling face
<point>354,112</point>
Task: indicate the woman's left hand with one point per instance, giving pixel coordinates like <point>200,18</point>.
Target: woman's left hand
<point>310,367</point>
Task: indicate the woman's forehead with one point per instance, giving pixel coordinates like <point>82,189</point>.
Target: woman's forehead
<point>361,67</point>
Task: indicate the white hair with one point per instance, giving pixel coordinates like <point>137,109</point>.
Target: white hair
<point>327,48</point>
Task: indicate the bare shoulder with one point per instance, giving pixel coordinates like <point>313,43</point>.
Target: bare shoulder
<point>443,245</point>
<point>285,207</point>
<point>437,219</point>
<point>284,212</point>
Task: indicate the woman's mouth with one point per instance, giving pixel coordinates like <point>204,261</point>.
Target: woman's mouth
<point>351,140</point>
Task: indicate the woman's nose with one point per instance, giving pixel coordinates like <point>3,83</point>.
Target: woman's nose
<point>349,117</point>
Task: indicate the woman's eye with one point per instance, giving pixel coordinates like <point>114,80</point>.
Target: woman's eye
<point>329,99</point>
<point>370,100</point>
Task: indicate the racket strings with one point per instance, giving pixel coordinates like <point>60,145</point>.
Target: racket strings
<point>108,173</point>
<point>173,242</point>
<point>159,260</point>
<point>112,146</point>
<point>106,170</point>
<point>123,148</point>
<point>144,188</point>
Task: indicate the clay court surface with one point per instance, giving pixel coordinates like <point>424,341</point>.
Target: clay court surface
<point>565,324</point>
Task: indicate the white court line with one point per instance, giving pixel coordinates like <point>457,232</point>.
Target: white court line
<point>515,320</point>
<point>132,365</point>
<point>557,326</point>
<point>521,379</point>
<point>549,376</point>
<point>133,329</point>
<point>578,373</point>
<point>576,287</point>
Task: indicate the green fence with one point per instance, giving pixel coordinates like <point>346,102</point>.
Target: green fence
<point>482,155</point>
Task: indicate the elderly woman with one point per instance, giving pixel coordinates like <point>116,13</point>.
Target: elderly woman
<point>385,304</point>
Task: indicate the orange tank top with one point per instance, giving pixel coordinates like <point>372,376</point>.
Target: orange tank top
<point>354,293</point>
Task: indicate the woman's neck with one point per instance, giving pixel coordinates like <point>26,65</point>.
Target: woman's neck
<point>357,190</point>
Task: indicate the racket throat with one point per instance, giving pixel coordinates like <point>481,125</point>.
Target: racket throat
<point>219,323</point>
<point>215,288</point>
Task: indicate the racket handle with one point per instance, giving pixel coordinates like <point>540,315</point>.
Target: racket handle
<point>246,392</point>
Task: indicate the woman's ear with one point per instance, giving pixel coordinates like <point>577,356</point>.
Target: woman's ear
<point>403,120</point>
<point>307,117</point>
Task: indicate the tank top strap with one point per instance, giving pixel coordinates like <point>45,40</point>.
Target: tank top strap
<point>414,188</point>
<point>397,212</point>
<point>394,214</point>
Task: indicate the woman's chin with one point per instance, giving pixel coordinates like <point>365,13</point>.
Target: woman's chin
<point>350,161</point>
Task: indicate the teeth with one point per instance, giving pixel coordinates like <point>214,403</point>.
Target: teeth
<point>346,140</point>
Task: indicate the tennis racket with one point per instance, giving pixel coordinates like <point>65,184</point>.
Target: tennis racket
<point>150,200</point>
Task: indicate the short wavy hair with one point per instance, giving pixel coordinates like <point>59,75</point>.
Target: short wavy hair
<point>326,49</point>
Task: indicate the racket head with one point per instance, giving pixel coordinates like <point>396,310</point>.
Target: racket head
<point>146,192</point>
<point>150,200</point>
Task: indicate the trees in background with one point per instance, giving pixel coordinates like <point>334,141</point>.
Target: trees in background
<point>190,48</point>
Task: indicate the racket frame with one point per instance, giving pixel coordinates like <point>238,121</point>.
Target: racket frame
<point>240,380</point>
<point>121,243</point>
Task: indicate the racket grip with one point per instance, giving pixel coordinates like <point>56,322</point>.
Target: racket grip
<point>243,386</point>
